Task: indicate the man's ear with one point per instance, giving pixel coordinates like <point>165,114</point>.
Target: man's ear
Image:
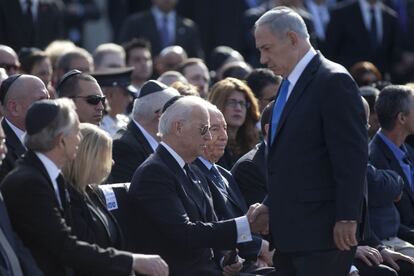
<point>293,38</point>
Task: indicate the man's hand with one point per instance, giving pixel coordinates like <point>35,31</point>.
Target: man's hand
<point>266,255</point>
<point>233,269</point>
<point>345,234</point>
<point>368,255</point>
<point>149,265</point>
<point>258,216</point>
<point>390,257</point>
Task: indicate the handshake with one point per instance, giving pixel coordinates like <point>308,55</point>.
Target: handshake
<point>258,217</point>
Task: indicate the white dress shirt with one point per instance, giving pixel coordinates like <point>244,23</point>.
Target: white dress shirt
<point>35,4</point>
<point>19,133</point>
<point>151,140</point>
<point>53,171</point>
<point>159,21</point>
<point>298,70</point>
<point>366,16</point>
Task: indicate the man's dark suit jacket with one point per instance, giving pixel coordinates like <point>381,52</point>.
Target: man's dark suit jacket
<point>27,263</point>
<point>129,152</point>
<point>318,160</point>
<point>41,224</point>
<point>15,149</point>
<point>250,174</point>
<point>230,205</point>
<point>143,25</point>
<point>176,216</point>
<point>16,34</point>
<point>348,41</point>
<point>382,158</point>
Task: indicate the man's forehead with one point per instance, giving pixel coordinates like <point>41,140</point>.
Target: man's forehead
<point>89,87</point>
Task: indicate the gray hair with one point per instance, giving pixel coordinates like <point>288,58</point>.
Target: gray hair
<point>107,48</point>
<point>282,20</point>
<point>45,140</point>
<point>145,108</point>
<point>179,111</point>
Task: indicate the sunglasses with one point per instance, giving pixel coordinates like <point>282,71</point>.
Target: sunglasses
<point>204,130</point>
<point>92,99</point>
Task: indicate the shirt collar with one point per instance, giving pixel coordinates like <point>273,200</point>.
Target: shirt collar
<point>153,143</point>
<point>52,170</point>
<point>177,157</point>
<point>19,133</point>
<point>159,15</point>
<point>299,68</point>
<point>399,153</point>
<point>206,163</point>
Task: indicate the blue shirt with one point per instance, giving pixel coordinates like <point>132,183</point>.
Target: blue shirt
<point>399,153</point>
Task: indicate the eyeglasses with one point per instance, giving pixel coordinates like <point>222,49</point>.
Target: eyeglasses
<point>204,129</point>
<point>92,99</point>
<point>235,103</point>
<point>9,67</point>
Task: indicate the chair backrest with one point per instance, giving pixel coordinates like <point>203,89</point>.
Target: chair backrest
<point>119,204</point>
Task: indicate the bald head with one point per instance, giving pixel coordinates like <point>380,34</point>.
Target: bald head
<point>9,60</point>
<point>26,90</point>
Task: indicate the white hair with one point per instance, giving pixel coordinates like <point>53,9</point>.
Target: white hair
<point>181,110</point>
<point>282,20</point>
<point>145,108</point>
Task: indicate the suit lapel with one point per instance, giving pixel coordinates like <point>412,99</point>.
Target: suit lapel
<point>193,190</point>
<point>298,90</point>
<point>13,142</point>
<point>394,164</point>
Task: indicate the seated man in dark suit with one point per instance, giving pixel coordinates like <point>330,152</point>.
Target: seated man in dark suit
<point>395,111</point>
<point>15,259</point>
<point>140,138</point>
<point>38,204</point>
<point>17,93</point>
<point>174,205</point>
<point>227,198</point>
<point>250,170</point>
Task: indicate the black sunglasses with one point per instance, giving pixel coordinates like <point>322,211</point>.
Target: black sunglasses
<point>92,99</point>
<point>204,130</point>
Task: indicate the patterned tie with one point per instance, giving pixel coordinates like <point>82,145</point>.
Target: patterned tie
<point>218,179</point>
<point>278,108</point>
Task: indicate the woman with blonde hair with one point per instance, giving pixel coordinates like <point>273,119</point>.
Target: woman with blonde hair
<point>92,222</point>
<point>240,109</point>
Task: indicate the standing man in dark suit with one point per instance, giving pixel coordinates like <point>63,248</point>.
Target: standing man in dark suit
<point>250,170</point>
<point>173,204</point>
<point>140,138</point>
<point>163,27</point>
<point>38,202</point>
<point>29,23</point>
<point>227,199</point>
<point>15,259</point>
<point>363,30</point>
<point>395,111</point>
<point>17,93</point>
<point>314,202</point>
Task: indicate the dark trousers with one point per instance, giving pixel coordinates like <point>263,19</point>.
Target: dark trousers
<point>320,263</point>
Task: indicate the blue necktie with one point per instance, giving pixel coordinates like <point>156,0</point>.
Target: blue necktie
<point>373,32</point>
<point>278,107</point>
<point>165,34</point>
<point>218,179</point>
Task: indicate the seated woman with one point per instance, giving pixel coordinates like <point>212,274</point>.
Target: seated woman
<point>92,222</point>
<point>240,109</point>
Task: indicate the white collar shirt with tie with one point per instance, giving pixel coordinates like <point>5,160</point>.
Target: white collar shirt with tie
<point>159,21</point>
<point>366,16</point>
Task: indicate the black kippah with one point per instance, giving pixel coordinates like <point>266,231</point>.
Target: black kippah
<point>152,86</point>
<point>40,115</point>
<point>65,77</point>
<point>5,86</point>
<point>170,102</point>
